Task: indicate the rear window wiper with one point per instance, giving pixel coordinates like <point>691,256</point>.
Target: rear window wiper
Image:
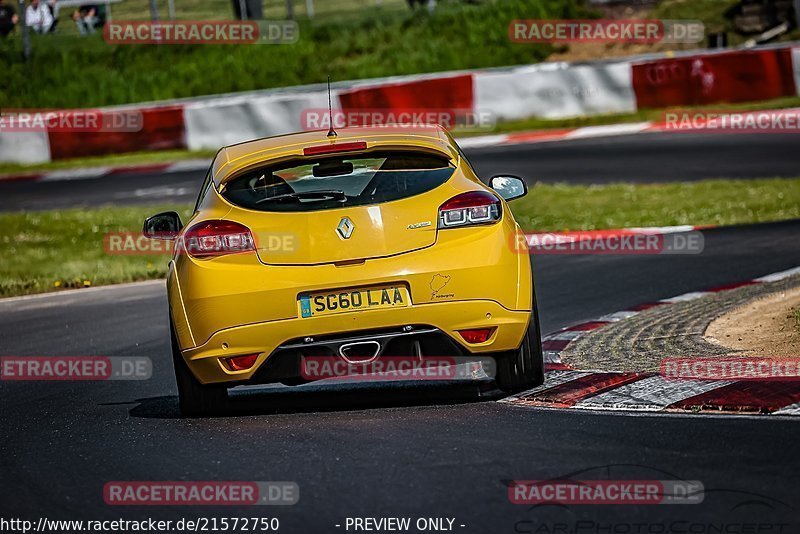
<point>329,194</point>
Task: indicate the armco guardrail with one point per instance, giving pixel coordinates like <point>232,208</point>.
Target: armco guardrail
<point>545,90</point>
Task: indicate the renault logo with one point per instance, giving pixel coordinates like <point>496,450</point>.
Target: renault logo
<point>345,228</point>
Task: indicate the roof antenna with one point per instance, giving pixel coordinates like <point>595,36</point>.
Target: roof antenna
<point>331,131</point>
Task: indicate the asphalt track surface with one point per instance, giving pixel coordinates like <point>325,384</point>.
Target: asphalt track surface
<point>414,451</point>
<point>406,450</point>
<point>646,157</point>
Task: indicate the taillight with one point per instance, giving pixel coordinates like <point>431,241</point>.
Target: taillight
<point>209,239</point>
<point>477,335</point>
<point>474,207</point>
<point>240,363</point>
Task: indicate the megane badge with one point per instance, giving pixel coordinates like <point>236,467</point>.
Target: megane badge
<point>345,228</point>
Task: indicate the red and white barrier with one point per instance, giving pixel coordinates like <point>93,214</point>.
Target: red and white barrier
<point>555,91</point>
<point>546,90</point>
<point>24,147</point>
<point>211,124</point>
<point>796,68</point>
<point>736,76</point>
<point>161,128</point>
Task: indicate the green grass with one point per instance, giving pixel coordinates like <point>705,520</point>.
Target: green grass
<point>52,250</point>
<point>348,40</point>
<point>711,202</point>
<point>83,72</point>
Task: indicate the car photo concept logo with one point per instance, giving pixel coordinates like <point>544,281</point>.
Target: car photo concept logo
<point>345,228</point>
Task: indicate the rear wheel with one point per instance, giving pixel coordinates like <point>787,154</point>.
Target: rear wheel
<point>194,398</point>
<point>523,368</point>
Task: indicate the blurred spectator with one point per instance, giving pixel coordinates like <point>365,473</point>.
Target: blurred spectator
<point>38,17</point>
<point>87,18</point>
<point>8,18</point>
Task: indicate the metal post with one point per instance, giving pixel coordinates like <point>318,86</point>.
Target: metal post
<point>26,38</point>
<point>171,8</point>
<point>243,10</point>
<point>310,8</point>
<point>153,10</point>
<point>289,10</point>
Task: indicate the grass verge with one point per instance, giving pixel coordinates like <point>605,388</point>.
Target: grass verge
<point>709,202</point>
<point>89,72</point>
<point>52,250</point>
<point>350,39</point>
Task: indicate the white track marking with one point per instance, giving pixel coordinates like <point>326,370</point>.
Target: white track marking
<point>792,409</point>
<point>607,131</point>
<point>686,296</point>
<point>664,229</point>
<point>616,317</point>
<point>486,140</point>
<point>565,335</point>
<point>189,165</point>
<point>774,277</point>
<point>551,379</point>
<point>160,191</point>
<point>551,356</point>
<point>649,394</point>
<point>75,174</point>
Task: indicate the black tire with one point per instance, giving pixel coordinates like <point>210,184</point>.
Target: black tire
<point>523,368</point>
<point>195,399</point>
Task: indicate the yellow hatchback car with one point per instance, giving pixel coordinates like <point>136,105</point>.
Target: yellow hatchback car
<point>372,243</point>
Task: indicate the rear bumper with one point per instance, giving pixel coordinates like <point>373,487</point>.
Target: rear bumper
<point>266,338</point>
<point>467,265</point>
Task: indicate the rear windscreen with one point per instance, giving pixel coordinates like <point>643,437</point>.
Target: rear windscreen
<point>329,182</point>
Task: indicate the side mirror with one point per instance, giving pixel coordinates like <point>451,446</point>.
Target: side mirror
<point>165,225</point>
<point>508,187</point>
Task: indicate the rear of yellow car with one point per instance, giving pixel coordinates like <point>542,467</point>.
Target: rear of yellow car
<point>375,243</point>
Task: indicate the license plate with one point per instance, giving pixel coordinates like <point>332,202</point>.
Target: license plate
<point>348,300</point>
